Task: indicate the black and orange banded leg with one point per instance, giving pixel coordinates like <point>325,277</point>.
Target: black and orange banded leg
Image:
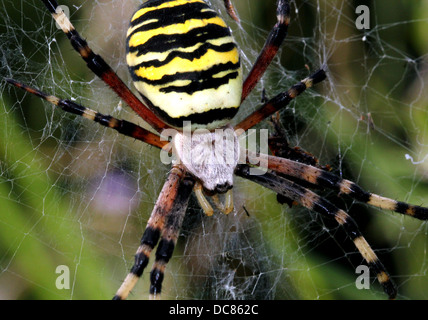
<point>164,223</point>
<point>270,49</point>
<point>315,203</point>
<point>325,179</point>
<point>169,236</point>
<point>98,66</point>
<point>231,10</point>
<point>280,101</point>
<point>122,126</point>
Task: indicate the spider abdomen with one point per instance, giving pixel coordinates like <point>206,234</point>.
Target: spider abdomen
<point>185,63</point>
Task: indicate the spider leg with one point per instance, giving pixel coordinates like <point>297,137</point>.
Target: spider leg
<point>164,220</point>
<point>98,66</point>
<point>270,49</point>
<point>314,202</point>
<point>231,10</point>
<point>319,177</point>
<point>122,126</point>
<point>280,101</point>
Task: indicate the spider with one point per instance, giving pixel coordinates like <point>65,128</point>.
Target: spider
<point>185,65</point>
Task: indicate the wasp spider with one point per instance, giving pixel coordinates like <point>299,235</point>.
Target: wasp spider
<point>186,67</point>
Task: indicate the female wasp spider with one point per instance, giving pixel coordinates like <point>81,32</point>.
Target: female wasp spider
<point>186,66</point>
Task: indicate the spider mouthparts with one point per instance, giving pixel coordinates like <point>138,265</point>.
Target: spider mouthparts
<point>220,189</point>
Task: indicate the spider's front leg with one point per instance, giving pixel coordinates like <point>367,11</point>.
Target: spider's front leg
<point>270,49</point>
<point>164,225</point>
<point>101,68</point>
<point>280,101</point>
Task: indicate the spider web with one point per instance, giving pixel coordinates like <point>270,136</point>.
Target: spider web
<point>75,194</point>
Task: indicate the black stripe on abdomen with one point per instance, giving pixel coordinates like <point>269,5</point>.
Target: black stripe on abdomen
<point>200,80</point>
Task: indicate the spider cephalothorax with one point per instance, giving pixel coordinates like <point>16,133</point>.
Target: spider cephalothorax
<point>209,156</point>
<point>186,67</point>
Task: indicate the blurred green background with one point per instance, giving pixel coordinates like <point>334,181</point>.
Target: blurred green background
<point>77,195</point>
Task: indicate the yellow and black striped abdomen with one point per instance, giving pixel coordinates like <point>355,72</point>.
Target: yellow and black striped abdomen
<point>185,63</point>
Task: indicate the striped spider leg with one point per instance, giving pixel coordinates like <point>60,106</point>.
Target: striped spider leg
<point>100,67</point>
<point>164,224</point>
<point>231,10</point>
<point>122,126</point>
<point>202,79</point>
<point>167,216</point>
<point>318,177</point>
